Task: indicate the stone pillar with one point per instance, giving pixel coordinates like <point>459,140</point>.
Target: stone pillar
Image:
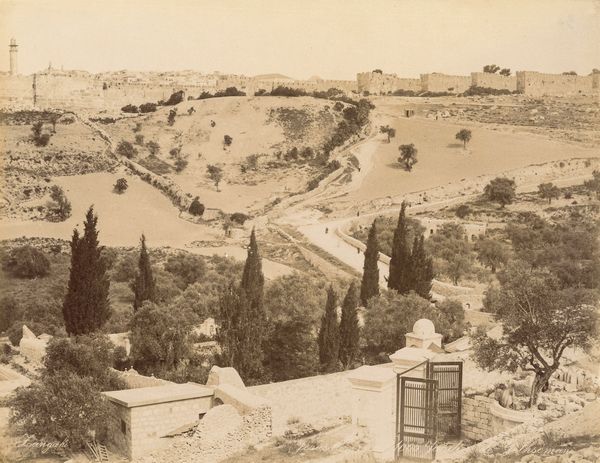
<point>373,407</point>
<point>14,63</point>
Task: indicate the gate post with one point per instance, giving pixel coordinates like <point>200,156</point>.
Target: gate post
<point>373,407</point>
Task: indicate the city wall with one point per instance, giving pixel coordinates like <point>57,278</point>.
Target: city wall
<point>496,81</point>
<point>436,82</point>
<point>538,84</point>
<point>111,91</point>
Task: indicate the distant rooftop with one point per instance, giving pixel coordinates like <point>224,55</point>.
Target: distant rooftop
<point>158,394</point>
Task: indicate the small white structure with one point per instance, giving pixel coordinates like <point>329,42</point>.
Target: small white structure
<point>423,335</point>
<point>207,328</point>
<point>140,417</point>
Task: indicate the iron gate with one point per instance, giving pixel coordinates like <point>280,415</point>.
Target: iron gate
<point>449,385</point>
<point>416,422</point>
<point>426,407</point>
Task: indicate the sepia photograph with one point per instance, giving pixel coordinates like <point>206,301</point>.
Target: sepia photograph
<point>289,231</point>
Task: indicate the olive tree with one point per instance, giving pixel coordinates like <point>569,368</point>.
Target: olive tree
<point>540,319</point>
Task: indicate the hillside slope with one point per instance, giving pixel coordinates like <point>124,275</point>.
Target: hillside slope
<point>265,128</point>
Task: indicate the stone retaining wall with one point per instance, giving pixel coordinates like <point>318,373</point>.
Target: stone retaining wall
<point>476,417</point>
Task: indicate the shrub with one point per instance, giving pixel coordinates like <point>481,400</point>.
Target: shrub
<point>126,149</point>
<point>121,185</point>
<point>260,92</point>
<point>338,106</point>
<point>189,268</point>
<point>171,117</point>
<point>9,312</point>
<point>180,164</point>
<point>287,91</point>
<point>196,208</point>
<point>130,109</point>
<point>227,140</point>
<point>27,262</point>
<point>239,217</point>
<point>462,211</point>
<point>230,91</point>
<point>125,268</point>
<point>61,408</point>
<point>148,108</point>
<point>139,139</point>
<point>153,147</point>
<point>175,98</point>
<point>205,95</point>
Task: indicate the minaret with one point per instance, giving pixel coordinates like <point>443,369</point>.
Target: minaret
<point>14,64</point>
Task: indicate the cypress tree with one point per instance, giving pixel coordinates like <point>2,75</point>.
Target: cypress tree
<point>86,306</point>
<point>370,280</point>
<point>349,330</point>
<point>399,278</point>
<point>422,268</point>
<point>329,334</point>
<point>252,318</point>
<point>144,286</point>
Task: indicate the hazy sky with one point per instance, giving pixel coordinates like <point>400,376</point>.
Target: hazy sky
<point>301,38</point>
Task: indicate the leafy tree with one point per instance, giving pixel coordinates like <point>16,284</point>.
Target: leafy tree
<point>548,191</point>
<point>61,206</point>
<point>253,282</point>
<point>144,285</point>
<point>408,156</point>
<point>569,248</point>
<point>196,207</point>
<point>227,140</point>
<point>540,320</point>
<point>175,98</point>
<point>85,356</point>
<point>291,350</point>
<point>349,330</point>
<point>295,295</point>
<point>121,185</point>
<point>464,135</point>
<point>390,316</point>
<point>491,68</point>
<point>399,277</point>
<point>153,147</point>
<point>215,173</point>
<point>377,71</point>
<point>139,139</point>
<point>180,164</point>
<point>27,262</point>
<point>370,280</point>
<point>10,311</point>
<point>188,268</point>
<point>130,109</point>
<point>569,73</point>
<point>61,408</point>
<point>492,254</point>
<point>39,138</point>
<point>449,245</point>
<point>160,337</point>
<point>86,306</point>
<point>125,148</point>
<point>505,72</point>
<point>148,108</point>
<point>462,211</point>
<point>389,131</point>
<point>329,334</point>
<point>500,190</point>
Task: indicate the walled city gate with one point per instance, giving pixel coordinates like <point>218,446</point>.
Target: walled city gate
<point>428,409</point>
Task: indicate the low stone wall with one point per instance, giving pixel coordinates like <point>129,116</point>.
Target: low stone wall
<point>476,420</point>
<point>504,419</point>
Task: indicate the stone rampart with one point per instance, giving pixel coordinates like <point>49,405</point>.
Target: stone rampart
<point>539,84</point>
<point>436,82</point>
<point>495,81</point>
<point>376,83</point>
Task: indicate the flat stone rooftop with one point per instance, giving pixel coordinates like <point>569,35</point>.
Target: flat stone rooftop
<point>158,394</point>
